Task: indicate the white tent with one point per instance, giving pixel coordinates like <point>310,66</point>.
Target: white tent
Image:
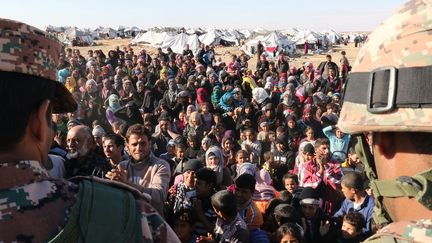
<point>216,37</point>
<point>107,33</point>
<point>332,36</point>
<point>178,43</point>
<point>246,33</point>
<point>73,34</point>
<point>306,35</point>
<point>152,38</point>
<point>290,32</point>
<point>273,43</point>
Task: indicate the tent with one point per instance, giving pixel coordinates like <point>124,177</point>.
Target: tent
<point>107,33</point>
<point>178,43</point>
<point>306,35</point>
<point>75,36</point>
<point>332,36</point>
<point>217,37</point>
<point>152,38</point>
<point>273,43</point>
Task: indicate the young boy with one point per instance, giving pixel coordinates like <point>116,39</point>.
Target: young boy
<point>283,161</point>
<point>230,227</point>
<point>179,159</point>
<point>291,184</point>
<point>351,231</point>
<point>205,183</point>
<point>356,199</point>
<point>245,188</point>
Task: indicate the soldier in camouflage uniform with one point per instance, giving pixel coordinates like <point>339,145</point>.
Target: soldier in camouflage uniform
<point>389,93</point>
<point>33,206</point>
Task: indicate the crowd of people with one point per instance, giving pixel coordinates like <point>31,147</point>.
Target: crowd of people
<point>226,152</point>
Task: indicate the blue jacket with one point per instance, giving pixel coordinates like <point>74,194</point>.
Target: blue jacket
<point>366,209</point>
<point>338,146</point>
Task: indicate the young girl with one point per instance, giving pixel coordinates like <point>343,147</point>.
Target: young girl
<point>181,122</point>
<point>252,145</point>
<point>206,115</point>
<point>290,233</point>
<point>241,157</point>
<point>228,149</point>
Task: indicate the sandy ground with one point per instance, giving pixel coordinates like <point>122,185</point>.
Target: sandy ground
<point>225,52</point>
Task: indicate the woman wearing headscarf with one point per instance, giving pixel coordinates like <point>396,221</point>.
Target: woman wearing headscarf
<point>216,95</point>
<point>113,106</point>
<point>226,103</point>
<point>294,132</point>
<point>214,161</point>
<point>91,93</point>
<point>107,90</point>
<point>170,96</point>
<point>247,117</point>
<point>202,96</point>
<point>289,98</point>
<point>309,121</point>
<point>127,93</point>
<point>308,73</point>
<point>195,126</point>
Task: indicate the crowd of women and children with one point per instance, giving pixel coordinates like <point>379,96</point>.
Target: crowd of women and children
<point>227,152</point>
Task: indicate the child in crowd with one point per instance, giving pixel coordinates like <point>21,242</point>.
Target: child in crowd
<point>264,136</point>
<point>291,184</point>
<point>310,171</point>
<point>290,233</point>
<point>181,122</point>
<point>206,115</point>
<point>193,147</point>
<point>184,226</point>
<point>205,184</point>
<point>244,190</point>
<point>184,191</point>
<point>352,225</point>
<point>283,161</point>
<point>230,227</point>
<point>252,146</point>
<point>241,157</point>
<point>179,160</point>
<point>339,142</point>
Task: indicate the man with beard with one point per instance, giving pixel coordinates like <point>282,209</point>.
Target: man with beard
<point>143,171</point>
<point>84,161</point>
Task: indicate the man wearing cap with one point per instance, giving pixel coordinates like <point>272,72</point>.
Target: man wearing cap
<point>33,206</point>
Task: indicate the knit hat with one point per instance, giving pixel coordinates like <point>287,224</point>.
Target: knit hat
<point>193,165</point>
<point>309,196</point>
